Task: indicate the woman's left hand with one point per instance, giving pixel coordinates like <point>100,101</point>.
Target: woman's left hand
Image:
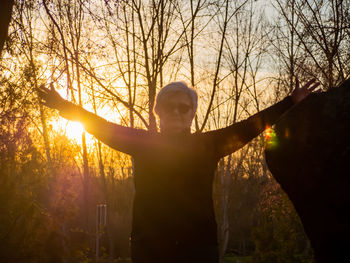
<point>298,94</point>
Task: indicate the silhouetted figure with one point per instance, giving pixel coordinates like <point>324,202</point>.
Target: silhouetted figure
<point>310,158</point>
<point>173,216</point>
<point>5,17</point>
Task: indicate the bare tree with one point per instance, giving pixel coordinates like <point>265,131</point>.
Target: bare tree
<point>240,94</point>
<point>318,30</point>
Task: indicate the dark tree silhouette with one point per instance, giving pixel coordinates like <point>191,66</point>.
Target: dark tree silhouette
<point>310,157</point>
<point>5,17</point>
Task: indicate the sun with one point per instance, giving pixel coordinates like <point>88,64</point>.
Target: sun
<point>72,129</point>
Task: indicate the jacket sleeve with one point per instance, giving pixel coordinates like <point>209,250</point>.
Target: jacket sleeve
<point>121,138</point>
<point>228,140</point>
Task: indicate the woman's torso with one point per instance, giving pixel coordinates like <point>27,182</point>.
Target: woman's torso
<point>173,183</point>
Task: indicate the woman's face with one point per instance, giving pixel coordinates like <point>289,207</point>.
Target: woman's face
<point>176,113</point>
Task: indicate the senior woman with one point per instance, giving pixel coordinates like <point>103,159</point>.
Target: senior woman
<point>173,214</point>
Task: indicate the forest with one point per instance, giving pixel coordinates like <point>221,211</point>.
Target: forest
<point>67,197</point>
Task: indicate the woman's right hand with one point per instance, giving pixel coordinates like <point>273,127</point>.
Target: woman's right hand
<point>51,98</point>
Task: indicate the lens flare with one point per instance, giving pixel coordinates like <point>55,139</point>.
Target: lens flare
<point>271,140</point>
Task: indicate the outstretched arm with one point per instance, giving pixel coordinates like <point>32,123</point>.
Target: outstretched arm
<point>228,140</point>
<point>124,139</point>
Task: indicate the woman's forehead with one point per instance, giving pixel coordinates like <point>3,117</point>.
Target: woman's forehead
<point>177,96</point>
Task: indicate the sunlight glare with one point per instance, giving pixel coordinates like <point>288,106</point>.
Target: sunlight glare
<point>73,130</point>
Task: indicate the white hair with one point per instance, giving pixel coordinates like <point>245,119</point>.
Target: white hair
<point>174,87</point>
